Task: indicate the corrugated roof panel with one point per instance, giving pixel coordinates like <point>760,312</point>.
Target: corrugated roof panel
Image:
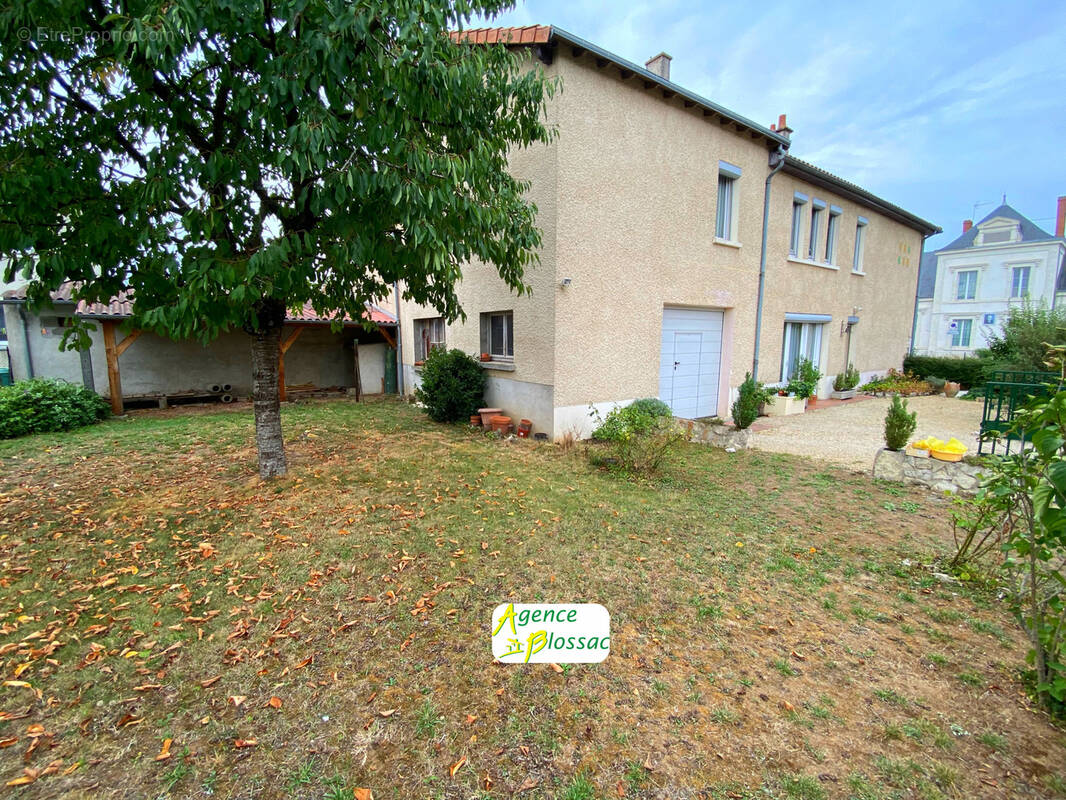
<point>121,306</point>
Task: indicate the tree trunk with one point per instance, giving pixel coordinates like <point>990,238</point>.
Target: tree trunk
<point>266,398</point>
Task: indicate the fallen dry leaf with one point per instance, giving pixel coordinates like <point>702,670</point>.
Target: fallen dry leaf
<point>239,743</point>
<point>556,667</point>
<point>238,700</point>
<point>164,753</point>
<point>387,712</point>
<point>458,765</point>
<point>527,785</point>
<point>128,720</point>
<point>363,794</point>
<point>8,742</point>
<point>210,681</point>
<point>274,702</point>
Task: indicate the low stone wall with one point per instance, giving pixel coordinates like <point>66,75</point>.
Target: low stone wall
<point>957,477</point>
<point>716,434</point>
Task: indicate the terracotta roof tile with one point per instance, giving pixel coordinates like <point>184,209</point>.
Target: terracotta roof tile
<point>122,306</point>
<point>530,34</point>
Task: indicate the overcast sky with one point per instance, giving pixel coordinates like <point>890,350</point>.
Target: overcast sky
<point>935,106</point>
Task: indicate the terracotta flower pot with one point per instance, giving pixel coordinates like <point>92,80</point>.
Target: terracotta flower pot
<point>951,389</point>
<point>487,414</point>
<point>475,420</point>
<point>486,357</point>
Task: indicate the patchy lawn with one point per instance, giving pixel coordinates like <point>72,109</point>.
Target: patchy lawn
<point>170,625</point>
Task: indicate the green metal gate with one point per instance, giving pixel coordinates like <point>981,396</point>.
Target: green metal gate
<point>1006,393</point>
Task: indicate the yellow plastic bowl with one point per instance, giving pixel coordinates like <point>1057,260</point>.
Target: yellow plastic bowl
<point>944,455</point>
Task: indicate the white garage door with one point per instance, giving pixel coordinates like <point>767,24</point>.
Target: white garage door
<point>690,360</point>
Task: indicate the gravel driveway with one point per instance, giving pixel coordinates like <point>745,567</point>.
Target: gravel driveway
<point>850,434</point>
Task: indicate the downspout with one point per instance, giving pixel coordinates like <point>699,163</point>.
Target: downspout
<point>917,284</point>
<point>26,341</point>
<point>777,161</point>
<point>399,341</point>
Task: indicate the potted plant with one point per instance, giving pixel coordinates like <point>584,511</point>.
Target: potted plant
<point>844,384</point>
<point>804,381</point>
<point>785,403</point>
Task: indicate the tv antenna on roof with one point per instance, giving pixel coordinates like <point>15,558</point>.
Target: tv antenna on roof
<point>979,205</point>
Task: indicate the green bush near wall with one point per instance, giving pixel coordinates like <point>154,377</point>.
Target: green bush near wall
<point>969,372</point>
<point>47,405</point>
<point>453,385</point>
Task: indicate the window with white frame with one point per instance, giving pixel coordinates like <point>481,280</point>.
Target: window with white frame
<point>725,226</point>
<point>429,335</point>
<point>961,331</point>
<point>497,335</point>
<point>860,245</point>
<point>1019,282</point>
<point>802,340</point>
<point>798,201</point>
<point>817,210</point>
<point>831,235</point>
<point>966,285</point>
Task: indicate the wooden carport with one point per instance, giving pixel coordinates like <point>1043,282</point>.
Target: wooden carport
<point>112,315</point>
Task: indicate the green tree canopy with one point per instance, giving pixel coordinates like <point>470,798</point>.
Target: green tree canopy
<point>227,161</point>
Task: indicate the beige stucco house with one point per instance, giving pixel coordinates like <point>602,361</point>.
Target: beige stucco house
<point>651,202</point>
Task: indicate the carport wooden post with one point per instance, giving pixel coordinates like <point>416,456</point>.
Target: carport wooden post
<point>285,345</point>
<point>113,351</point>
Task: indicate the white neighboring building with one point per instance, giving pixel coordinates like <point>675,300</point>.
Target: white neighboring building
<point>966,289</point>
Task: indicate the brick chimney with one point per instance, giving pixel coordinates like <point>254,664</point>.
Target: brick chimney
<point>966,225</point>
<point>660,65</point>
<point>782,127</point>
<point>1060,219</point>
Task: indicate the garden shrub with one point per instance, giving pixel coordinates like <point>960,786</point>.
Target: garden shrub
<point>453,385</point>
<point>847,380</point>
<point>650,405</point>
<point>1014,533</point>
<point>896,381</point>
<point>639,437</point>
<point>751,395</point>
<point>899,424</point>
<point>1027,332</point>
<point>968,372</point>
<point>804,381</point>
<point>46,405</point>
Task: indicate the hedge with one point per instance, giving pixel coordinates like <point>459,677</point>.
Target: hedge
<point>969,372</point>
<point>47,405</point>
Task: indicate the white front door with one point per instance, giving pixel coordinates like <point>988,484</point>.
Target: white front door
<point>690,360</point>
